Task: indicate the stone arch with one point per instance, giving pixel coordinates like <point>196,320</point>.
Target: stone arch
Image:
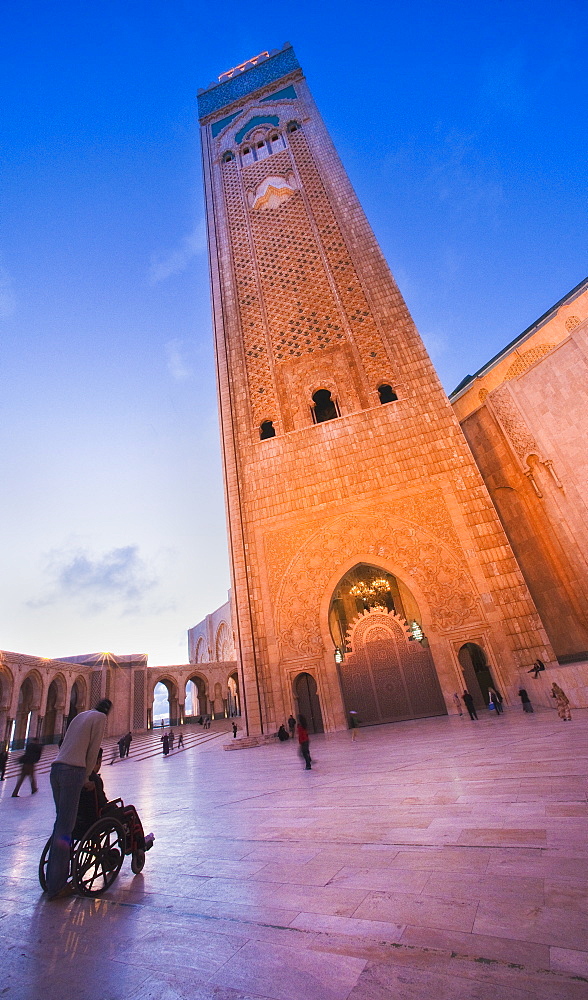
<point>200,682</point>
<point>307,701</point>
<point>224,643</point>
<point>6,690</point>
<point>233,694</point>
<point>425,563</point>
<point>6,687</point>
<point>53,713</point>
<point>171,683</point>
<point>78,698</point>
<point>27,707</point>
<point>477,672</point>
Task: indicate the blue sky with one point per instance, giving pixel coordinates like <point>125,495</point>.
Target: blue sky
<point>463,131</point>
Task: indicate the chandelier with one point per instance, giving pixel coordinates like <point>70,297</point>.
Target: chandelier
<point>371,592</point>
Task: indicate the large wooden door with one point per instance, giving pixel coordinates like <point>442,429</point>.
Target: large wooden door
<point>388,677</point>
<point>308,702</point>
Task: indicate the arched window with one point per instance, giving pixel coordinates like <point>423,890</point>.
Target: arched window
<point>247,155</point>
<point>261,151</point>
<point>267,430</point>
<point>324,407</point>
<point>386,393</point>
<point>228,156</point>
<point>292,126</point>
<point>276,142</point>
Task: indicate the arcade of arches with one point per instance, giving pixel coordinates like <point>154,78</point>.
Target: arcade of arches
<point>40,696</point>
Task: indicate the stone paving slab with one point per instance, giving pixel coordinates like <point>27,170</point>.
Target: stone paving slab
<point>427,857</point>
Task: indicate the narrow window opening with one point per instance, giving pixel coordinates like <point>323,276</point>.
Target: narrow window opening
<point>267,430</point>
<point>228,156</point>
<point>324,407</point>
<point>292,126</point>
<point>386,394</point>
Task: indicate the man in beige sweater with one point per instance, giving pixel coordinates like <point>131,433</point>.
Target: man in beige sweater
<point>70,771</point>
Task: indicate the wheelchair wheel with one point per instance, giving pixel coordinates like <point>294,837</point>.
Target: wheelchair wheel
<point>99,856</point>
<point>137,861</point>
<point>43,865</point>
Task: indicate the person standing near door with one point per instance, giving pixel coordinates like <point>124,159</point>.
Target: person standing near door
<point>469,704</point>
<point>496,700</point>
<point>304,741</point>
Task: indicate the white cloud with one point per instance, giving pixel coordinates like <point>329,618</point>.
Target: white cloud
<point>177,364</point>
<point>116,579</point>
<point>178,260</point>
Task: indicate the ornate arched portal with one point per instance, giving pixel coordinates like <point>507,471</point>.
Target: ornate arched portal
<point>388,675</point>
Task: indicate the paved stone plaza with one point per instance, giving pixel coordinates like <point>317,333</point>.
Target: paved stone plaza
<point>437,858</point>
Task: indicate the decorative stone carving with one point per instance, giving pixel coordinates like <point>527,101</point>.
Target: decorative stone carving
<point>428,509</point>
<point>373,624</point>
<point>272,192</point>
<point>440,575</point>
<point>513,422</point>
<point>572,322</point>
<point>524,361</point>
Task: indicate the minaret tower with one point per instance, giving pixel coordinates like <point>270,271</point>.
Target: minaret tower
<point>370,570</point>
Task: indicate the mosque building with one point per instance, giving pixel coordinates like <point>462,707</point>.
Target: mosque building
<point>389,546</point>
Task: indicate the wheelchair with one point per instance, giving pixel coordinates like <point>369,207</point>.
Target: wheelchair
<point>98,852</point>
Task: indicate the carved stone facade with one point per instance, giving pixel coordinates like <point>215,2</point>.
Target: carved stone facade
<point>340,447</point>
<point>524,416</point>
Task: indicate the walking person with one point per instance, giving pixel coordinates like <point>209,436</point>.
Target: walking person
<point>496,700</point>
<point>121,748</point>
<point>234,726</point>
<point>353,725</point>
<point>70,770</point>
<point>171,739</point>
<point>3,762</point>
<point>165,742</point>
<point>457,703</point>
<point>28,762</point>
<point>526,701</point>
<point>562,701</point>
<point>469,704</point>
<point>303,741</point>
<point>292,726</point>
<point>128,741</point>
<point>181,740</point>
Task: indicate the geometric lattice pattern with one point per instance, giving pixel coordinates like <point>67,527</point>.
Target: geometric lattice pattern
<point>261,387</point>
<point>524,361</point>
<point>95,691</point>
<point>139,700</point>
<point>298,291</point>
